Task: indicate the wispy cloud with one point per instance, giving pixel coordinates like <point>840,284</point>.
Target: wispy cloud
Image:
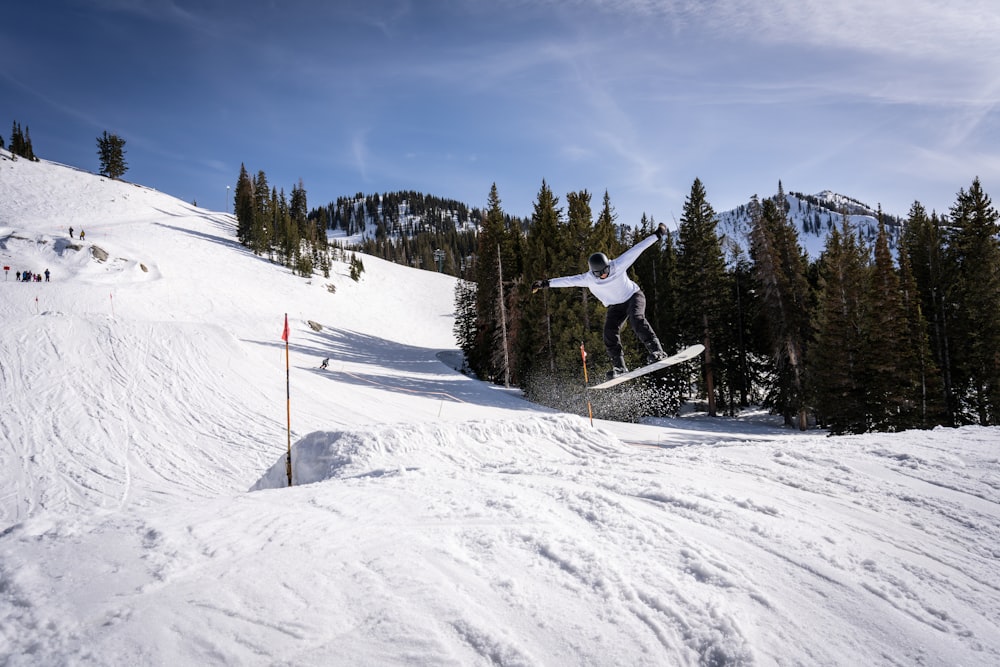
<point>359,151</point>
<point>940,29</point>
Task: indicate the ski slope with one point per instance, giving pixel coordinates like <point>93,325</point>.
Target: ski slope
<point>145,517</point>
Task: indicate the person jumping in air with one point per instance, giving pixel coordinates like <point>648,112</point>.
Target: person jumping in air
<point>608,281</point>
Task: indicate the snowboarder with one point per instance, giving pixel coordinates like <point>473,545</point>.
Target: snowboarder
<point>608,280</point>
<point>324,364</point>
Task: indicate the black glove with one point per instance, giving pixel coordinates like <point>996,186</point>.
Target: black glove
<point>539,284</point>
<point>661,231</point>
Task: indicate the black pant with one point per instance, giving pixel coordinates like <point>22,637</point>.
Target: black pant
<point>633,310</point>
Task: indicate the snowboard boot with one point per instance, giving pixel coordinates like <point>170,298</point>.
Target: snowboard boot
<point>617,367</point>
<point>656,352</point>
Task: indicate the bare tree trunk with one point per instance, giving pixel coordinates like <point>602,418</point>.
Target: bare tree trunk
<point>709,375</point>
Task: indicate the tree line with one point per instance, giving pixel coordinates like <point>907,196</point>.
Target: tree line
<point>854,341</point>
<point>20,143</point>
<point>277,226</point>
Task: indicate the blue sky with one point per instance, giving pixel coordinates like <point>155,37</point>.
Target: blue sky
<point>887,102</point>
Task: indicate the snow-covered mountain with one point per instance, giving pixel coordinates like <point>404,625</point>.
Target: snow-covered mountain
<point>145,517</point>
<point>813,216</point>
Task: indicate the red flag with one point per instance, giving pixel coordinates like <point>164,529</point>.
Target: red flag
<point>284,334</point>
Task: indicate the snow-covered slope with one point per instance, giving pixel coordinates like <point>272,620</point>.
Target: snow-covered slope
<point>145,516</point>
<point>813,217</point>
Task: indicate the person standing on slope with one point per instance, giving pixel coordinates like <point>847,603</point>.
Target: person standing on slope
<point>608,281</point>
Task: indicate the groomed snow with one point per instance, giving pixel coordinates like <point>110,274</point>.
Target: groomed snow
<point>145,517</point>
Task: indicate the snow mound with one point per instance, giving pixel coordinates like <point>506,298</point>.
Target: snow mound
<point>399,448</point>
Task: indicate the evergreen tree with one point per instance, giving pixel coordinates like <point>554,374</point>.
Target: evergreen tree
<point>780,273</point>
<point>701,282</point>
<point>923,243</point>
<point>544,256</point>
<point>465,316</point>
<point>495,252</point>
<point>887,359</point>
<point>974,255</point>
<point>603,237</point>
<point>20,143</point>
<point>29,151</point>
<point>576,315</point>
<point>835,358</point>
<point>747,370</point>
<point>111,151</point>
<point>17,146</point>
<point>266,229</point>
<point>924,405</point>
<point>299,210</point>
<point>243,205</point>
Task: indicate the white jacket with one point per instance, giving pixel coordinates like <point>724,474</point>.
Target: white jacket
<point>617,287</point>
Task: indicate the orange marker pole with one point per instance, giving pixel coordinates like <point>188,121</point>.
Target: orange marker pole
<point>586,382</point>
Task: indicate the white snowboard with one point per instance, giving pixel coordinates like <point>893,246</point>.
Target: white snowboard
<point>686,354</point>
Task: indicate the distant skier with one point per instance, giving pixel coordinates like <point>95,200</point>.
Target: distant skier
<point>71,232</point>
<point>325,363</point>
<point>608,280</point>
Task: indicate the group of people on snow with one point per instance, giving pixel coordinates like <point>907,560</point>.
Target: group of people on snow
<point>29,277</point>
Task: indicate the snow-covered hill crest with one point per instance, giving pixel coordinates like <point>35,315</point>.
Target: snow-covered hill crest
<point>813,217</point>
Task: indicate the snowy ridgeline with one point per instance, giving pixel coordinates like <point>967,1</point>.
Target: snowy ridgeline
<point>814,217</point>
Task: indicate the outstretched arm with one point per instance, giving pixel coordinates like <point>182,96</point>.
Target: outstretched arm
<point>580,280</point>
<point>627,258</point>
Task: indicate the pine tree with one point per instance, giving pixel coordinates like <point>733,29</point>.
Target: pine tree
<point>746,370</point>
<point>835,358</point>
<point>924,405</point>
<point>465,317</point>
<point>886,359</point>
<point>111,151</point>
<point>702,288</point>
<point>299,210</point>
<point>974,255</point>
<point>16,141</point>
<point>243,205</point>
<point>265,228</point>
<point>576,315</point>
<point>780,273</point>
<point>544,256</point>
<point>29,151</point>
<point>603,237</point>
<point>923,243</point>
<point>20,143</point>
<point>496,250</point>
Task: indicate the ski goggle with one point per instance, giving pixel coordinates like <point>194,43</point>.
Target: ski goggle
<point>602,273</point>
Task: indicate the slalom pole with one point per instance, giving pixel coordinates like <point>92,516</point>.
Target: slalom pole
<point>586,382</point>
<point>288,403</point>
